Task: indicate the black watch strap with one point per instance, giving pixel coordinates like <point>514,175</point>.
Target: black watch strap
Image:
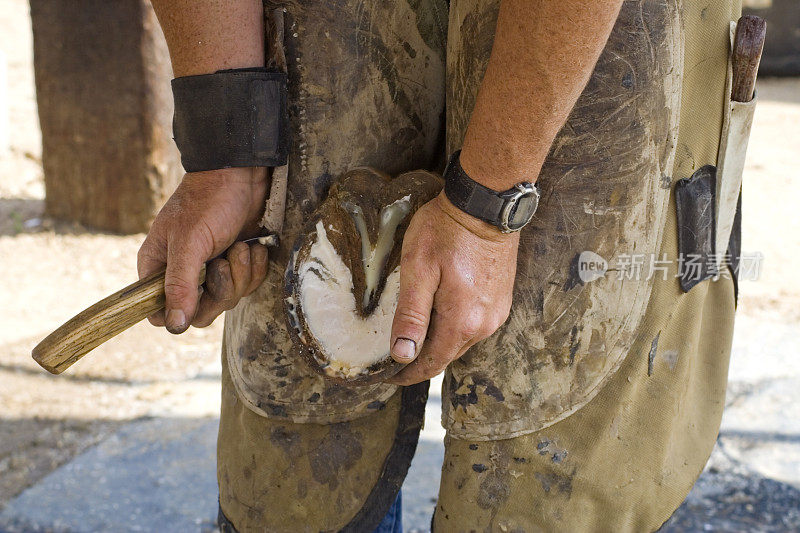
<point>508,210</point>
<point>232,118</point>
<point>469,195</point>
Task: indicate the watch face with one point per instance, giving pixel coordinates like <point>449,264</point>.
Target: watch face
<point>523,210</point>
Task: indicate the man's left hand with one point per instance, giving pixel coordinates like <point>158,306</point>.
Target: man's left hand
<point>456,280</point>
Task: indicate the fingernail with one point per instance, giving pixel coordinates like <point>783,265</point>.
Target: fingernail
<point>404,349</point>
<point>175,319</point>
<point>260,254</point>
<point>244,256</point>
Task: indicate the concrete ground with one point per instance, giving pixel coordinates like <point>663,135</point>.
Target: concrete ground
<point>156,473</point>
<point>124,441</point>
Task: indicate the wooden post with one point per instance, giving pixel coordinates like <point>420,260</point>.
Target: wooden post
<point>105,109</point>
<point>782,49</point>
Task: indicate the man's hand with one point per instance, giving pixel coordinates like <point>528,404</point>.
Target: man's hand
<point>456,280</point>
<point>204,216</point>
<point>457,273</point>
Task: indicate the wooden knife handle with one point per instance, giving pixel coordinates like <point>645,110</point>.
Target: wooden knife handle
<point>748,44</point>
<point>105,319</point>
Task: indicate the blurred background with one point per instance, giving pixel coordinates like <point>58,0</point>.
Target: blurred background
<point>125,440</point>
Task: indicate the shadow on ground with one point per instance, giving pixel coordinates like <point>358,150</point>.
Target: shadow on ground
<point>158,474</point>
<point>31,448</point>
<point>733,501</point>
<point>150,475</point>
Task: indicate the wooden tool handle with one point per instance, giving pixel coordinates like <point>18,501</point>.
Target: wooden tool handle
<point>748,44</point>
<point>90,328</point>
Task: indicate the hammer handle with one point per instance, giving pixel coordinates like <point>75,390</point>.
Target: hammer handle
<point>748,44</point>
<point>105,319</point>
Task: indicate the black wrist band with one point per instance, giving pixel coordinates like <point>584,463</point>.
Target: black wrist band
<point>508,210</point>
<point>232,118</point>
<point>469,195</point>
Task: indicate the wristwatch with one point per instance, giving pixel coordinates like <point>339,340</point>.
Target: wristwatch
<point>509,210</point>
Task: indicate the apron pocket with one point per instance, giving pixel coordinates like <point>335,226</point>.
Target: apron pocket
<point>695,198</point>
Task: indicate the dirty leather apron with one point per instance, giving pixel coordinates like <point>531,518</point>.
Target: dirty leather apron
<point>296,452</point>
<point>596,405</point>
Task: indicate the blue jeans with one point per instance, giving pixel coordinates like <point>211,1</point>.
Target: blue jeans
<point>393,521</point>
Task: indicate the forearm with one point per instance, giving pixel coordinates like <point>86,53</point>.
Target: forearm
<point>204,36</point>
<point>543,55</point>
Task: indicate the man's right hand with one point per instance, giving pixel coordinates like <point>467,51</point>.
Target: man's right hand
<point>205,215</point>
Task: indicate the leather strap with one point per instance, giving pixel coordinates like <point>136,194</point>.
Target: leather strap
<point>469,195</point>
<point>232,118</point>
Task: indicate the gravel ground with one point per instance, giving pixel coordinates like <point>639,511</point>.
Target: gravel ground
<point>48,425</point>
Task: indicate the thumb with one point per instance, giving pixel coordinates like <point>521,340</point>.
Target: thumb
<point>418,285</point>
<point>181,284</point>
